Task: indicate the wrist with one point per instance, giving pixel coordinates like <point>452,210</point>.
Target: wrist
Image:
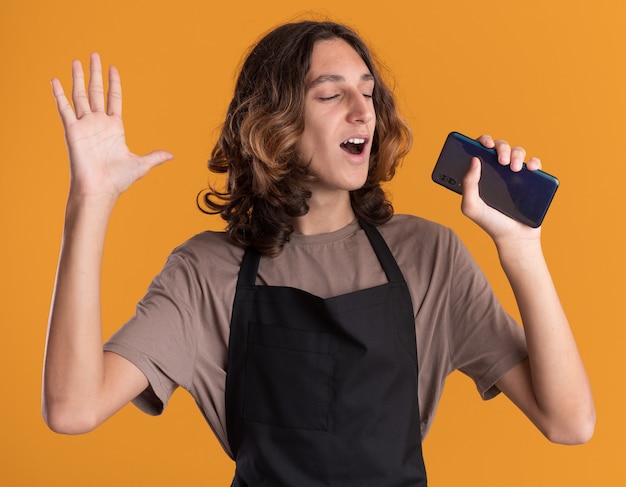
<point>520,253</point>
<point>100,202</point>
<point>522,261</point>
<point>88,213</point>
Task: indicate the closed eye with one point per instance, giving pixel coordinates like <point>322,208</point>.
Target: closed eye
<point>332,97</point>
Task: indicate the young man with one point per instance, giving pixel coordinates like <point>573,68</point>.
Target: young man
<point>309,330</point>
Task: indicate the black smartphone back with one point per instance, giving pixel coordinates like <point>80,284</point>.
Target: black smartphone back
<point>524,196</point>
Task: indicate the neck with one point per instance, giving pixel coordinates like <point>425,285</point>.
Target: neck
<point>325,215</point>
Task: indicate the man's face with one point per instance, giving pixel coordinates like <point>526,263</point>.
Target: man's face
<point>339,117</point>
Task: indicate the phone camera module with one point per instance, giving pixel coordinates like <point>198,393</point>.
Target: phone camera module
<point>447,179</point>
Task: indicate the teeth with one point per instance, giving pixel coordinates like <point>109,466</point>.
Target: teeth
<point>354,145</point>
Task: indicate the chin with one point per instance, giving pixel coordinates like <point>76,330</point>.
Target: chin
<point>358,186</point>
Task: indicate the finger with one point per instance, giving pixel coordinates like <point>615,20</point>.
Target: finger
<point>472,176</point>
<point>487,141</point>
<point>504,151</point>
<point>114,97</point>
<point>96,91</point>
<point>518,154</point>
<point>79,97</point>
<point>534,163</point>
<point>471,201</point>
<point>155,158</point>
<point>63,105</point>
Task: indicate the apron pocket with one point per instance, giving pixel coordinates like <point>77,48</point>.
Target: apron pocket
<point>288,377</point>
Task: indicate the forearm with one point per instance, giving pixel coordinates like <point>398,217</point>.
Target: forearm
<point>73,370</point>
<point>558,378</point>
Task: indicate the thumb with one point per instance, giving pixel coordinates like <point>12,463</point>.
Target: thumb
<point>155,158</point>
<point>471,201</point>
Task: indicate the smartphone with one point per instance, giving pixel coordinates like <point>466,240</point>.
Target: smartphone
<point>524,196</point>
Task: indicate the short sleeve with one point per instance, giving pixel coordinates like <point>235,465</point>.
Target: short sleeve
<point>160,339</point>
<point>484,341</point>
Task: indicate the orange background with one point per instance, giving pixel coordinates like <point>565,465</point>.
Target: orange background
<point>549,75</point>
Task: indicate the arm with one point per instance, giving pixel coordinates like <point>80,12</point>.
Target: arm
<point>82,385</point>
<point>551,387</point>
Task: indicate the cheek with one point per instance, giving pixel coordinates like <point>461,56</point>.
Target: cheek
<point>305,147</point>
<point>312,140</point>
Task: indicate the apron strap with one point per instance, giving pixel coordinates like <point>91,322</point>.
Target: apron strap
<point>387,261</point>
<point>249,267</point>
<point>251,258</point>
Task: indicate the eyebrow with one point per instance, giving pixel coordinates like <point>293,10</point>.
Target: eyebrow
<point>335,78</point>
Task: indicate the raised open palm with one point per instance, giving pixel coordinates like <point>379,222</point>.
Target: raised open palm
<point>100,162</point>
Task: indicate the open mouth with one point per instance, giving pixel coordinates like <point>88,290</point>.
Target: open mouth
<point>353,145</point>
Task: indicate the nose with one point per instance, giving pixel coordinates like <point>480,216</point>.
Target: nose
<point>361,109</point>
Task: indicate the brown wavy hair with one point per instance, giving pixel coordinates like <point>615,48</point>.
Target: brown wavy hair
<point>267,182</point>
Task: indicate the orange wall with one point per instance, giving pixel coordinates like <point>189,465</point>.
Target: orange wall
<point>549,75</point>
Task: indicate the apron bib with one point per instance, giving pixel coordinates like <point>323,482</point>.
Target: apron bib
<point>323,392</point>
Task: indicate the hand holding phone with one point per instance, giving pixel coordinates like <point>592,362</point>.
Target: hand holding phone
<point>524,196</point>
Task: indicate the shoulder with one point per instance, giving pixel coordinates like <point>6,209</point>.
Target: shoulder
<point>430,254</point>
<point>415,234</point>
<point>205,261</point>
<point>209,248</point>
